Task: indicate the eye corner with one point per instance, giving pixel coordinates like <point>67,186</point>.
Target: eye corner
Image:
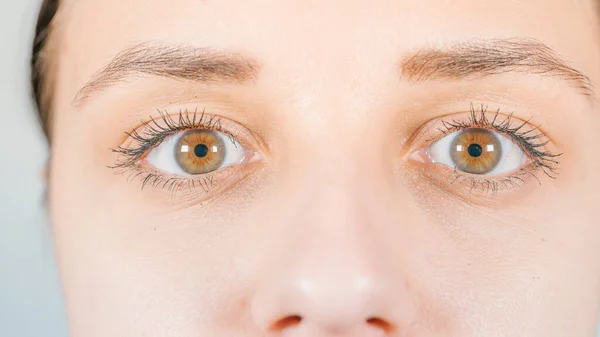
<point>419,155</point>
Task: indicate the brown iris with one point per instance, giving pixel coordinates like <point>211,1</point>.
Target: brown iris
<point>200,151</point>
<point>476,151</point>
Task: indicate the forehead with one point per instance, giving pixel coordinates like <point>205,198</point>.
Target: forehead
<point>320,35</point>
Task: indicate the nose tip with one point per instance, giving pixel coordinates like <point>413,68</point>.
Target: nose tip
<point>355,307</point>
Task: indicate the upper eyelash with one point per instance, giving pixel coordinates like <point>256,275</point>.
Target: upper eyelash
<point>526,140</point>
<point>154,133</point>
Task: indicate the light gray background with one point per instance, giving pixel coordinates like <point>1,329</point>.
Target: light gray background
<point>30,299</point>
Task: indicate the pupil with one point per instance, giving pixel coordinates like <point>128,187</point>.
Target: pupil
<point>475,150</point>
<point>201,150</point>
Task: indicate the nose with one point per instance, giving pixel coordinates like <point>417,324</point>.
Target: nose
<point>331,276</point>
<point>328,305</point>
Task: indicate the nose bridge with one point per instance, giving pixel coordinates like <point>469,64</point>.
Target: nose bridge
<point>338,163</point>
<point>333,209</point>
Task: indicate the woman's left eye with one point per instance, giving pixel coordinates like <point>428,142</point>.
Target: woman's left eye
<point>195,152</point>
<point>478,151</point>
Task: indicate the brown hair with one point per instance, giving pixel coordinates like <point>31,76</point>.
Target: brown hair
<point>39,75</point>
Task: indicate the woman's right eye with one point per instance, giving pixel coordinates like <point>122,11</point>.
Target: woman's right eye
<point>196,152</point>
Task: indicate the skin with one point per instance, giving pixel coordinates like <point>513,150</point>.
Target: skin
<point>338,227</point>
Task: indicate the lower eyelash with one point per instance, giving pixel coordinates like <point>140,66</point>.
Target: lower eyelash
<point>494,185</point>
<point>205,183</point>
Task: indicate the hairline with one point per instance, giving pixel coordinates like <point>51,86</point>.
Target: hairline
<point>44,65</point>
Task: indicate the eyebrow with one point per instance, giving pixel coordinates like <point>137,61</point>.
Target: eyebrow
<point>183,62</point>
<point>479,59</point>
<point>468,60</point>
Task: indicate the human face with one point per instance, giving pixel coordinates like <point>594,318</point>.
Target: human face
<point>329,193</point>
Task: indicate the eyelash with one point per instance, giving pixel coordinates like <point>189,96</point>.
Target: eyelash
<point>153,135</point>
<point>528,141</point>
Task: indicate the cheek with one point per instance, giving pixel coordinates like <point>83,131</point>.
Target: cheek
<point>481,274</point>
<point>131,261</point>
<point>505,271</point>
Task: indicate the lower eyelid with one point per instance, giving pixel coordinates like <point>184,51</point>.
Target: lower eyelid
<point>199,188</point>
<point>486,192</point>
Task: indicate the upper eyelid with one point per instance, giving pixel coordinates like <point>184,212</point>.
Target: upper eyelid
<point>500,122</point>
<point>152,132</point>
<point>181,123</point>
<point>202,119</point>
<point>436,128</point>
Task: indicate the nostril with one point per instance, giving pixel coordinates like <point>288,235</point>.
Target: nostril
<point>287,322</point>
<point>380,324</point>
